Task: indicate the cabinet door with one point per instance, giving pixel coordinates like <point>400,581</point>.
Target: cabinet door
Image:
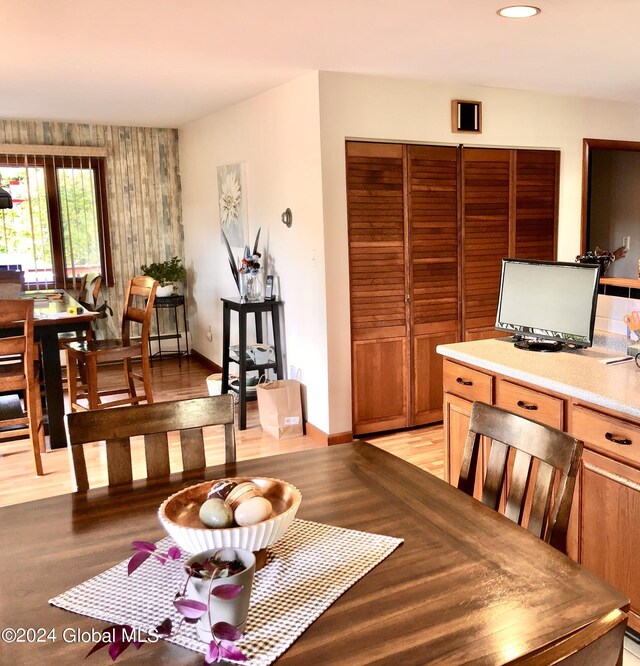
<point>486,178</point>
<point>380,373</point>
<point>457,414</point>
<point>609,519</point>
<point>433,271</point>
<point>378,285</point>
<point>536,204</point>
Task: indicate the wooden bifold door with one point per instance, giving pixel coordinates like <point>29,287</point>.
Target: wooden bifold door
<point>428,228</point>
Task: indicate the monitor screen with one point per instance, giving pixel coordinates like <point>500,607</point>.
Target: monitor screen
<point>549,300</point>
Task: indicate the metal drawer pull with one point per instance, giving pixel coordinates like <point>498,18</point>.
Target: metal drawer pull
<point>523,405</point>
<point>464,382</point>
<point>617,440</point>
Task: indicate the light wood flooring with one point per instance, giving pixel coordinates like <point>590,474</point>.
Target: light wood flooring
<point>19,483</point>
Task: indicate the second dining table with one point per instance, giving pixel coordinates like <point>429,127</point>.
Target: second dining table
<point>51,317</point>
<point>466,586</point>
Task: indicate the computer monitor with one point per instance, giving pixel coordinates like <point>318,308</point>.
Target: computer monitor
<point>548,304</point>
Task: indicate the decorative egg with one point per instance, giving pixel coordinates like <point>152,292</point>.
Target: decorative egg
<point>216,513</point>
<point>221,489</point>
<point>241,493</point>
<point>252,511</point>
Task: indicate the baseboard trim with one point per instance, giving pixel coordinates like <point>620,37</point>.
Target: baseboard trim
<point>208,363</point>
<point>328,440</point>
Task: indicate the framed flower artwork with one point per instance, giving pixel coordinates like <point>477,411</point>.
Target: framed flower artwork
<point>232,202</point>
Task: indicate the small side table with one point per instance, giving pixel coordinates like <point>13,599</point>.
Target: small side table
<point>243,308</point>
<point>163,303</point>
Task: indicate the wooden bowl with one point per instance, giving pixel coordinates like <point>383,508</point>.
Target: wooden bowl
<point>179,516</point>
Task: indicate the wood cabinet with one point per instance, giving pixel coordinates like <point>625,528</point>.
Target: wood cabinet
<point>428,229</point>
<point>604,534</point>
<point>403,256</point>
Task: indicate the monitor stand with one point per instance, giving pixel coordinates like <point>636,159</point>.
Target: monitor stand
<point>532,344</point>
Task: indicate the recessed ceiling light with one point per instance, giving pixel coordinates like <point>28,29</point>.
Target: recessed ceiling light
<point>518,11</point>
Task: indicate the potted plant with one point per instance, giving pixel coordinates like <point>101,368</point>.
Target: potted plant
<point>220,580</point>
<point>167,273</point>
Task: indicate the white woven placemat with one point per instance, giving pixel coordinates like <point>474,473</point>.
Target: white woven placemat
<point>307,570</point>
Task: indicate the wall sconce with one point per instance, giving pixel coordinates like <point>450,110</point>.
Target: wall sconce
<point>287,218</point>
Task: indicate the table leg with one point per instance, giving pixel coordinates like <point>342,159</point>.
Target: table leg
<point>175,319</point>
<point>52,373</point>
<point>226,335</point>
<point>186,334</point>
<point>242,379</point>
<point>275,320</point>
<point>158,334</point>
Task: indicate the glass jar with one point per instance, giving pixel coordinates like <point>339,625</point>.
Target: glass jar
<point>254,287</point>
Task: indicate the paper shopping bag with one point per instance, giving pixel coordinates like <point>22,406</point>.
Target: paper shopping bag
<point>280,408</point>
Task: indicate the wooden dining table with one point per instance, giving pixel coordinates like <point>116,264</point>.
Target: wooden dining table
<point>466,586</point>
<point>50,319</point>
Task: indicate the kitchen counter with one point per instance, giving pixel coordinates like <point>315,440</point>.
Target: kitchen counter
<point>577,373</point>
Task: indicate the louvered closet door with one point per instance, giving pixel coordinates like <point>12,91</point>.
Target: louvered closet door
<point>378,286</point>
<point>536,196</point>
<point>485,236</point>
<point>433,278</point>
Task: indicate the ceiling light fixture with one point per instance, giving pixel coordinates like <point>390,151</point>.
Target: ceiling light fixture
<point>518,11</point>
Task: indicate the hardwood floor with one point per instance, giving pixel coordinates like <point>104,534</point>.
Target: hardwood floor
<point>19,483</point>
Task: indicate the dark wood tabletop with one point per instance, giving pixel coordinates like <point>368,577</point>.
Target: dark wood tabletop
<point>467,585</point>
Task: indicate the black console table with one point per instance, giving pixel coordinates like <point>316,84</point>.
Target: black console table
<point>167,303</point>
<point>243,308</point>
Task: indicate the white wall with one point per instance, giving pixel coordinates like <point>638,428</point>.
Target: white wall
<point>277,135</point>
<point>363,107</point>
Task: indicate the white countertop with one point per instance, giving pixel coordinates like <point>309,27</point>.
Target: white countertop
<point>572,373</point>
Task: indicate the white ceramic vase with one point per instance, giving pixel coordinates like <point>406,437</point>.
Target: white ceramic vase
<point>233,611</point>
<point>167,290</point>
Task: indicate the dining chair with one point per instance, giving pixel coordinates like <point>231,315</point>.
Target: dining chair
<point>19,372</point>
<point>601,642</point>
<point>83,356</point>
<point>154,421</point>
<point>547,499</point>
<point>11,283</point>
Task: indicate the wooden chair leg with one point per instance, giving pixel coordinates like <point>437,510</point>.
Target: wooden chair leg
<point>72,380</point>
<point>92,382</point>
<point>128,378</point>
<point>36,429</point>
<point>146,379</point>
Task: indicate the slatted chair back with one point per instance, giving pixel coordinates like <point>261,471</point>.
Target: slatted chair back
<point>13,314</point>
<point>555,450</point>
<point>11,283</point>
<point>116,426</point>
<point>144,287</point>
<point>601,643</point>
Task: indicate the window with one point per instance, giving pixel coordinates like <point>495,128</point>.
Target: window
<point>57,229</point>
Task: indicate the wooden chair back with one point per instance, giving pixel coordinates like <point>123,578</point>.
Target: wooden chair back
<point>555,450</point>
<point>601,643</point>
<point>116,426</point>
<point>143,287</point>
<point>11,283</point>
<point>13,314</point>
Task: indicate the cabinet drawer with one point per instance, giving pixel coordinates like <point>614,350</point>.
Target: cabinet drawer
<point>467,383</point>
<point>530,404</point>
<point>607,434</point>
